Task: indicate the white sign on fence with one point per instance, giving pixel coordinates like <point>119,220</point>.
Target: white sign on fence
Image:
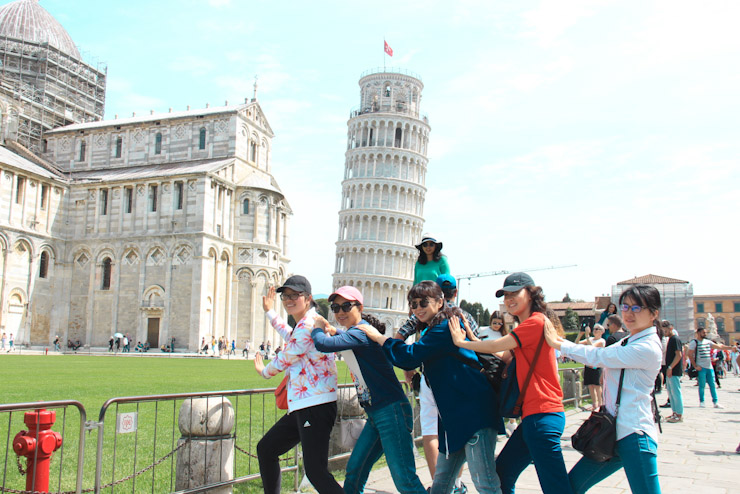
<point>126,423</point>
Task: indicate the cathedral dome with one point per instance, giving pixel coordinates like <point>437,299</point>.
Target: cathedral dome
<point>29,21</point>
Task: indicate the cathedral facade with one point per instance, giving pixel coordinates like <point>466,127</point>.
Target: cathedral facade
<point>159,226</point>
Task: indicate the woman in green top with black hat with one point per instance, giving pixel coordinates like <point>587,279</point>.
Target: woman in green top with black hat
<point>431,262</point>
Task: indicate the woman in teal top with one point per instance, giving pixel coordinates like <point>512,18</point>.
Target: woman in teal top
<point>431,262</point>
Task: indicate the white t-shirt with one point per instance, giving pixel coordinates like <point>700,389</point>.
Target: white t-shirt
<point>486,333</point>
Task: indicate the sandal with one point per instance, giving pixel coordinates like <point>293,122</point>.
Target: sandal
<point>674,419</point>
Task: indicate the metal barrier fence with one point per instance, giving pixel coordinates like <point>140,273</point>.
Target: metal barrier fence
<point>143,440</point>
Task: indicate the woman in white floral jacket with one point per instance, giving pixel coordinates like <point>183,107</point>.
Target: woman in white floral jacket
<point>312,392</point>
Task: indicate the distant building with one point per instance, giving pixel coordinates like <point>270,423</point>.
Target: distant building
<point>677,297</point>
<point>382,210</point>
<point>160,226</point>
<point>726,312</point>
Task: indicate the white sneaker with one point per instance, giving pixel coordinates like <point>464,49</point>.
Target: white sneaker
<point>717,405</point>
<point>701,404</point>
<point>510,428</point>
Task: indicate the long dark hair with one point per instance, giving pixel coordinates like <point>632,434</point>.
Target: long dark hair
<point>538,300</point>
<point>374,322</point>
<point>435,257</point>
<point>498,315</point>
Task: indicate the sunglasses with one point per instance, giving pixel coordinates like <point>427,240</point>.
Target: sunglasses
<point>428,244</point>
<point>634,308</point>
<point>346,307</point>
<point>421,303</point>
<point>497,324</point>
<point>292,296</point>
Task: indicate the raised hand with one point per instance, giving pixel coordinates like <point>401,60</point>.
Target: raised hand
<point>268,301</point>
<point>458,335</point>
<point>373,333</point>
<point>259,365</point>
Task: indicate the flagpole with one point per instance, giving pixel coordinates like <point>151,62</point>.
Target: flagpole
<point>384,54</point>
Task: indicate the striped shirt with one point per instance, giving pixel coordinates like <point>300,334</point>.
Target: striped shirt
<point>703,350</point>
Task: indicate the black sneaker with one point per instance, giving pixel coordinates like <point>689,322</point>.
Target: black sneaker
<point>667,404</point>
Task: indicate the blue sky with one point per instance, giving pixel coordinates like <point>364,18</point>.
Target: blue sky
<point>596,133</point>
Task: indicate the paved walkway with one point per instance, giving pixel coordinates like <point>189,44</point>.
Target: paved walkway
<point>696,456</point>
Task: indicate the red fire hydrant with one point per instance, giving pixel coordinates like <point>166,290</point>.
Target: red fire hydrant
<point>37,444</point>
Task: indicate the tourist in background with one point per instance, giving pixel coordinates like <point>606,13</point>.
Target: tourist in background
<point>639,356</point>
<point>700,350</point>
<point>592,375</point>
<point>674,371</point>
<point>611,310</point>
<point>468,409</point>
<point>616,330</point>
<point>431,262</point>
<point>390,419</point>
<point>311,388</point>
<point>537,439</point>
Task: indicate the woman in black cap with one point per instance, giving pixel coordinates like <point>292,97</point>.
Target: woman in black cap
<point>537,439</point>
<point>311,387</point>
<point>431,262</point>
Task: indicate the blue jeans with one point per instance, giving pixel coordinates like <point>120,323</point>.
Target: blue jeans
<point>537,439</point>
<point>637,454</point>
<point>480,453</point>
<point>706,375</point>
<point>388,430</point>
<point>673,385</point>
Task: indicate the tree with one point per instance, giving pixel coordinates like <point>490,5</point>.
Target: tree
<point>479,313</point>
<point>323,309</point>
<point>570,321</point>
<point>567,298</point>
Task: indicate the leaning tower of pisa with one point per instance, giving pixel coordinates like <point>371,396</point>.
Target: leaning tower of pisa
<point>382,210</point>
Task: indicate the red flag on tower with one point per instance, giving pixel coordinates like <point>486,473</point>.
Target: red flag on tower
<point>388,48</point>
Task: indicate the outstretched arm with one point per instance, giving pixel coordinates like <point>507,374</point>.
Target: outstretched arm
<point>484,346</point>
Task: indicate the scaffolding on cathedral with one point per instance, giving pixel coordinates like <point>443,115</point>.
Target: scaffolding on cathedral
<point>52,88</point>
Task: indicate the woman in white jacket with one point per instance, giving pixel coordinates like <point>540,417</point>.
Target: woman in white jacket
<point>640,355</point>
<point>312,392</point>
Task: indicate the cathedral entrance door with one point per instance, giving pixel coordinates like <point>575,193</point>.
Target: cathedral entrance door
<point>152,335</point>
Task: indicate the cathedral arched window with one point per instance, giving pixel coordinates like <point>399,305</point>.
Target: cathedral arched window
<point>388,90</point>
<point>107,268</point>
<point>119,146</point>
<point>158,143</point>
<point>44,265</point>
<point>202,139</point>
<point>245,206</point>
<point>83,150</point>
<point>253,152</point>
<point>399,135</point>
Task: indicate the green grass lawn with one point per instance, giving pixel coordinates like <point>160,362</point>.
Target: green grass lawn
<point>92,380</point>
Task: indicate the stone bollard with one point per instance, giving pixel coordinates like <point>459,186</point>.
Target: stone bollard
<point>209,456</point>
<point>572,386</point>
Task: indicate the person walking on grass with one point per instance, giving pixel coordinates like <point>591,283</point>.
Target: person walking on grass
<point>700,350</point>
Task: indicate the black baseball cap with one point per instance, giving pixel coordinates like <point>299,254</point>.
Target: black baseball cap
<point>515,282</point>
<point>297,283</point>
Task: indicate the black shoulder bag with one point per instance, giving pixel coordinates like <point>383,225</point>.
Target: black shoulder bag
<point>596,438</point>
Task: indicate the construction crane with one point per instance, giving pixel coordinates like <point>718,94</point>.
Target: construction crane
<point>506,271</point>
